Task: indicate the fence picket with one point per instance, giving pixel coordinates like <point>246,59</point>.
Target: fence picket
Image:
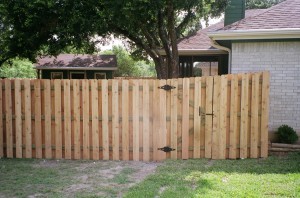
<point>216,118</point>
<point>174,117</point>
<point>1,121</point>
<point>156,114</point>
<point>105,129</point>
<point>8,119</point>
<point>18,118</point>
<point>125,120</point>
<point>223,117</point>
<point>244,117</point>
<point>95,119</point>
<point>38,119</point>
<point>185,119</point>
<point>265,114</point>
<point>58,118</point>
<point>208,119</point>
<point>135,119</point>
<point>254,116</point>
<point>115,120</point>
<point>146,117</point>
<point>85,119</point>
<point>47,110</point>
<point>233,117</point>
<point>27,107</point>
<point>67,119</point>
<point>197,118</point>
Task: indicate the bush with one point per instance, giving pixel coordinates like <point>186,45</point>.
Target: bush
<point>287,134</point>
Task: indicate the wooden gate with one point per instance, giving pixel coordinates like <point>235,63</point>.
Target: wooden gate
<point>216,117</point>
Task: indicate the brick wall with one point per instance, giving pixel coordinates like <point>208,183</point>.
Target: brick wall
<point>282,59</point>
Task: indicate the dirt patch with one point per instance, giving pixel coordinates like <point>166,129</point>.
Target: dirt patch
<point>108,178</point>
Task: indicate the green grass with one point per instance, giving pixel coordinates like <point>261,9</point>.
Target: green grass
<point>272,177</point>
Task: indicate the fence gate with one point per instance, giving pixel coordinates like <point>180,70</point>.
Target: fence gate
<point>216,117</point>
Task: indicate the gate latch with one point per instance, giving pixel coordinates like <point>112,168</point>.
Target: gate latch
<point>166,149</point>
<point>167,87</point>
<point>205,114</point>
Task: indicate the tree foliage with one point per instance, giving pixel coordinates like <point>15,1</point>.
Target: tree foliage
<point>127,66</point>
<point>261,4</point>
<point>33,27</point>
<point>17,68</point>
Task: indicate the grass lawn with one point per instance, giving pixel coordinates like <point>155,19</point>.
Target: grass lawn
<point>272,177</point>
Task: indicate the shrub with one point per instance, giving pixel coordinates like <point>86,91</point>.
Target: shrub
<point>287,134</point>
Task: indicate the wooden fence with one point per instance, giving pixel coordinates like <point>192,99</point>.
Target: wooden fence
<point>216,117</point>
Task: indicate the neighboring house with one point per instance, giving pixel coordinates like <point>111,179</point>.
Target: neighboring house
<point>256,40</point>
<point>72,66</point>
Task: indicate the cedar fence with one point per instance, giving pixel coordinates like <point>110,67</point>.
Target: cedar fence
<point>220,117</point>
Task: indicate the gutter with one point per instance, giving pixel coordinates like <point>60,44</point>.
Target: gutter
<point>282,33</point>
<point>189,52</point>
<point>218,46</point>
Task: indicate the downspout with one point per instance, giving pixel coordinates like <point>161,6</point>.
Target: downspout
<point>215,44</point>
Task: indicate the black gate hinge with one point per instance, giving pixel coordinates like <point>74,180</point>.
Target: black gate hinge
<point>166,149</point>
<point>167,87</point>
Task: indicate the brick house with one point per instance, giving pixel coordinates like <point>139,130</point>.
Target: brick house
<point>256,40</point>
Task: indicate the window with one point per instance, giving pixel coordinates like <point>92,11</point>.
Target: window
<point>100,76</point>
<point>77,75</point>
<point>57,75</point>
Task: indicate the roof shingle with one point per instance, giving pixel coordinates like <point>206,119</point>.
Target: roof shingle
<point>80,60</point>
<point>281,16</point>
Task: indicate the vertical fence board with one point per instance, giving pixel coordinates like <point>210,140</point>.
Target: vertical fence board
<point>38,118</point>
<point>95,119</point>
<point>223,117</point>
<point>125,120</point>
<point>156,117</point>
<point>233,118</point>
<point>18,118</point>
<point>174,117</point>
<point>265,114</point>
<point>208,119</point>
<point>27,105</point>
<point>185,119</point>
<point>85,119</point>
<point>244,116</point>
<point>254,116</point>
<point>76,121</point>
<point>162,120</point>
<point>216,118</point>
<point>67,119</point>
<point>1,121</point>
<point>47,110</point>
<point>105,129</point>
<point>115,120</point>
<point>197,118</point>
<point>146,117</point>
<point>135,119</point>
<point>58,119</point>
<point>8,119</point>
<point>202,117</point>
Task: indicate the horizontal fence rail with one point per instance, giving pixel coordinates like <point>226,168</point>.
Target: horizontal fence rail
<point>220,117</point>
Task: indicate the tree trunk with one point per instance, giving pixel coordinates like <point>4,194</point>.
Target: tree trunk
<point>161,67</point>
<point>173,63</point>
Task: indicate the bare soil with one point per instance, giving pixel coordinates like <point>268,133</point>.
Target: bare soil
<point>84,178</point>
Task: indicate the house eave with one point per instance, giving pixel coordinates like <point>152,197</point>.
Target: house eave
<point>197,52</point>
<point>78,68</point>
<point>286,33</point>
